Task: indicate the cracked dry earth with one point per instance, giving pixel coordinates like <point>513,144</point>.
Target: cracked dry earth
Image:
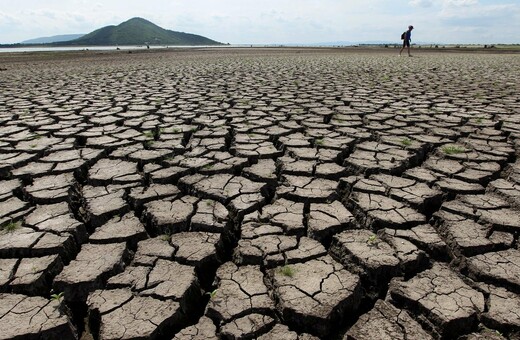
<point>260,194</point>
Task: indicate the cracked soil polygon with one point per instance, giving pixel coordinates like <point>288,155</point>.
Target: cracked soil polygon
<point>386,322</point>
<point>314,295</point>
<point>445,300</point>
<point>33,317</point>
<point>240,291</point>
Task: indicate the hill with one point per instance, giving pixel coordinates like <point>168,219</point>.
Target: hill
<point>55,38</point>
<point>138,31</point>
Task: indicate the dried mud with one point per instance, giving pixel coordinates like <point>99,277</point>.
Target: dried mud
<point>260,193</point>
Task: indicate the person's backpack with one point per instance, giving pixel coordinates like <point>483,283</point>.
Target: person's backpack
<point>403,35</point>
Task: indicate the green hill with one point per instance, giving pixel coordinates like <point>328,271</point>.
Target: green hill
<point>138,31</point>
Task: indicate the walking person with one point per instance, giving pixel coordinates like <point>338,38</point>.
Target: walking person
<point>406,37</point>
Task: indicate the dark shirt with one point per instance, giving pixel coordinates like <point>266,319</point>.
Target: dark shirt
<point>408,35</point>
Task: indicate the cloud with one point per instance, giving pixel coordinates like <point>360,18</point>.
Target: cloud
<point>461,3</point>
<point>481,23</point>
<point>497,12</point>
<point>421,3</point>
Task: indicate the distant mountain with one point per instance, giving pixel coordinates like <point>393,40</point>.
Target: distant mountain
<point>55,38</point>
<point>352,43</point>
<point>138,31</point>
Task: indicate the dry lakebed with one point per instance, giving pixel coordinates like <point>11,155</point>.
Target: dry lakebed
<point>260,193</point>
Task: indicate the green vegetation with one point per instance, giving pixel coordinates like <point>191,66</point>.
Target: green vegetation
<point>318,141</point>
<point>137,31</point>
<point>57,297</point>
<point>212,294</point>
<point>406,142</point>
<point>372,240</point>
<point>287,271</point>
<point>166,237</point>
<point>452,149</point>
<point>11,226</point>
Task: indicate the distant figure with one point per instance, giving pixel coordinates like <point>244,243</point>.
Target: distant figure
<point>406,37</point>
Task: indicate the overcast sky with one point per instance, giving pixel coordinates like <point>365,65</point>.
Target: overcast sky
<point>274,21</point>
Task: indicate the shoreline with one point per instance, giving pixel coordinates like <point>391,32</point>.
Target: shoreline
<point>297,49</point>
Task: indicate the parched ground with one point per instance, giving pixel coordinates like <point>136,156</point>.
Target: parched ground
<point>260,194</point>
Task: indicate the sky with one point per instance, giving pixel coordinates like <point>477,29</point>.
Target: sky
<point>275,21</point>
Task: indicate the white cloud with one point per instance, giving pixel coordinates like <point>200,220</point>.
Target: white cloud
<point>421,3</point>
<point>461,3</point>
<point>479,12</point>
